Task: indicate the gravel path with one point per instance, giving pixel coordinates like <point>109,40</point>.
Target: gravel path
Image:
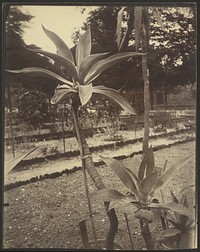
<point>45,214</point>
<point>62,164</point>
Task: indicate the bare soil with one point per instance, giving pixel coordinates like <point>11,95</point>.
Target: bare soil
<point>46,214</point>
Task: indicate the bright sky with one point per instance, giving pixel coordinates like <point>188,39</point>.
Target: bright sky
<point>63,20</point>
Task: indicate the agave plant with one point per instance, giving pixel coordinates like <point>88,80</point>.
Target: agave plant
<point>183,226</point>
<point>142,180</point>
<point>82,70</point>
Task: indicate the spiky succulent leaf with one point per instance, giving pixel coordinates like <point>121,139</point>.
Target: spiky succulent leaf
<point>176,207</point>
<point>119,26</point>
<point>120,170</point>
<point>144,215</point>
<point>170,232</point>
<point>150,162</point>
<point>83,47</point>
<point>124,204</point>
<point>146,185</point>
<point>184,200</point>
<point>61,92</point>
<point>156,219</point>
<point>134,164</point>
<point>87,63</point>
<point>169,173</point>
<point>137,25</point>
<point>85,93</point>
<point>67,64</point>
<point>62,49</point>
<point>107,195</point>
<point>103,65</point>
<point>174,199</point>
<point>114,96</point>
<point>143,165</point>
<point>133,176</point>
<point>10,165</point>
<point>42,72</point>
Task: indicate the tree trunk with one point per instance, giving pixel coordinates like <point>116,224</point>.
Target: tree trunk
<point>146,105</point>
<point>88,164</point>
<point>145,73</point>
<point>9,94</point>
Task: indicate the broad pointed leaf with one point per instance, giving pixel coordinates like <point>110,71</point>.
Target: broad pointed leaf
<point>184,201</point>
<point>83,47</point>
<point>124,204</point>
<point>146,185</point>
<point>103,65</point>
<point>143,165</point>
<point>176,207</point>
<point>61,92</point>
<point>133,176</point>
<point>170,232</point>
<point>114,96</point>
<point>67,64</point>
<point>134,164</point>
<point>174,199</point>
<point>171,217</point>
<point>137,25</point>
<point>150,162</point>
<point>62,48</point>
<point>85,93</point>
<point>87,63</point>
<point>156,219</point>
<point>120,170</point>
<point>119,26</point>
<point>157,15</point>
<point>10,165</point>
<point>169,173</point>
<point>42,72</point>
<point>144,215</point>
<point>107,195</point>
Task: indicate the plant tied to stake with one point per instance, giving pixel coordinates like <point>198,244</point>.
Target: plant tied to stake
<point>82,70</point>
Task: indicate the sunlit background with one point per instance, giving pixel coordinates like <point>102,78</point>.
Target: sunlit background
<point>63,20</point>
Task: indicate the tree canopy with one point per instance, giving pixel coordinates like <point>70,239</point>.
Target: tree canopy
<point>172,50</point>
<point>18,56</point>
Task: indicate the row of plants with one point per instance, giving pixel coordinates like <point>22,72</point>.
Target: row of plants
<point>142,178</point>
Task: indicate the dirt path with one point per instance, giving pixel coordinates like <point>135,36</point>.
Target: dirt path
<point>45,214</point>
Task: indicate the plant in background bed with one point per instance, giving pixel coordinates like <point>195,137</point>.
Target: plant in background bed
<point>79,89</point>
<point>142,179</point>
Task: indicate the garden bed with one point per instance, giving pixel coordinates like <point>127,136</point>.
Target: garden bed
<point>96,143</point>
<point>46,214</point>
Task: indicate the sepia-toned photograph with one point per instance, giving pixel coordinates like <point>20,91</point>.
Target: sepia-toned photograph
<point>99,118</point>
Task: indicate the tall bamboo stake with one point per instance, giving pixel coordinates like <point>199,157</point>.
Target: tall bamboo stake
<point>74,113</point>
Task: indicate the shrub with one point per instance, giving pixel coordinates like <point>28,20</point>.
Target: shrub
<point>33,108</point>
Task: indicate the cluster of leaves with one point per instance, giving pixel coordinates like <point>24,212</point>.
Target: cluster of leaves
<point>183,227</point>
<point>143,180</point>
<point>88,67</point>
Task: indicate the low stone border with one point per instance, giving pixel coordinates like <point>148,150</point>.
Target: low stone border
<point>108,146</point>
<point>97,164</point>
